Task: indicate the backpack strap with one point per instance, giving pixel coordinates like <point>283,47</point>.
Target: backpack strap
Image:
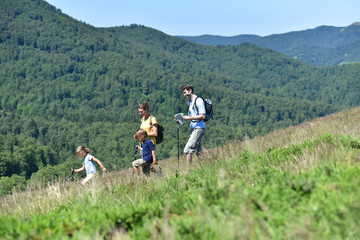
<point>151,120</point>
<point>195,106</point>
<point>153,124</point>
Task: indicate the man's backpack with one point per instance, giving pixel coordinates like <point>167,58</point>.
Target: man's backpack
<point>208,108</point>
<point>160,134</point>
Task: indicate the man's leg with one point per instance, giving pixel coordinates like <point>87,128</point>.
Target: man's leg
<point>188,160</point>
<point>193,144</point>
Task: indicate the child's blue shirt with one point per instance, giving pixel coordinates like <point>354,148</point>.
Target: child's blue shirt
<point>147,147</point>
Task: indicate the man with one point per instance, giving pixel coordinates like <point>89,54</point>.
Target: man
<point>196,116</point>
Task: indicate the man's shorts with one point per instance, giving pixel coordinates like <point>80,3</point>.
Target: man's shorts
<point>145,166</point>
<point>194,143</point>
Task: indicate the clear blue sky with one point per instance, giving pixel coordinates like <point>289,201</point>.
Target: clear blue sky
<point>221,17</point>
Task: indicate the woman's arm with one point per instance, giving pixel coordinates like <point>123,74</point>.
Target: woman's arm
<point>154,131</point>
<point>154,128</point>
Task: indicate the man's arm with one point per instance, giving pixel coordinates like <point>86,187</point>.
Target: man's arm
<point>198,117</point>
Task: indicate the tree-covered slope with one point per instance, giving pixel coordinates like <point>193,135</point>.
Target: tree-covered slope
<point>322,46</point>
<point>65,83</point>
<point>215,40</point>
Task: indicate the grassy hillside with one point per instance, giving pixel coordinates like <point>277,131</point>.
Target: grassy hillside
<point>295,183</point>
<point>65,83</point>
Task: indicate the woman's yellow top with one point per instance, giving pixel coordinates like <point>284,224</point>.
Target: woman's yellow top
<point>147,125</point>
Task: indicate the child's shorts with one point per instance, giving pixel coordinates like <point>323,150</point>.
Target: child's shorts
<point>88,178</point>
<point>145,166</point>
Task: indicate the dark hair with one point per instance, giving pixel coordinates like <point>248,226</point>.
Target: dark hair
<point>144,106</point>
<point>187,87</point>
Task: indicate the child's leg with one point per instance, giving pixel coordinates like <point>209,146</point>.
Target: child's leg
<point>88,178</point>
<point>136,165</point>
<point>136,170</point>
<point>146,169</point>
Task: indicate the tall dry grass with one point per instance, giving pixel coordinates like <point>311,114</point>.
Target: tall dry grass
<point>38,200</point>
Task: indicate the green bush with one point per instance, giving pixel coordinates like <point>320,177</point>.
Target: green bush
<point>10,184</point>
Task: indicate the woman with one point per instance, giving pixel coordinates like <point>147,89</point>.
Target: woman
<point>148,122</point>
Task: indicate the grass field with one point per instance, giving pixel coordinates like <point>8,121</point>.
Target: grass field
<point>296,183</point>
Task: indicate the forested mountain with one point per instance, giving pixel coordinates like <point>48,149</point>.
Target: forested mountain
<point>65,83</point>
<point>215,40</point>
<point>322,46</point>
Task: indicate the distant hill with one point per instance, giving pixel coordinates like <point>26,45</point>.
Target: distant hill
<point>220,40</point>
<point>64,83</point>
<point>322,46</point>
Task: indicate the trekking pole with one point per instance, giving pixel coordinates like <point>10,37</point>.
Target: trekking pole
<point>178,144</point>
<point>71,178</point>
<point>160,172</point>
<point>135,153</point>
<point>135,156</point>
